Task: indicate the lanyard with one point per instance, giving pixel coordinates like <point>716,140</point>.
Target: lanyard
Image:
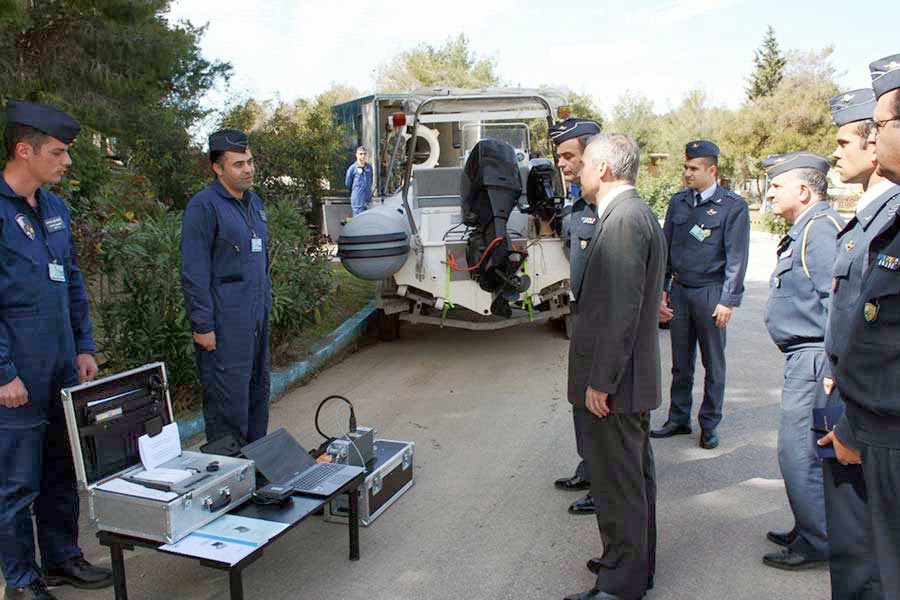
<point>248,214</point>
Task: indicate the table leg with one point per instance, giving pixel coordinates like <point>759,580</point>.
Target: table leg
<point>236,584</point>
<point>353,496</point>
<point>118,568</point>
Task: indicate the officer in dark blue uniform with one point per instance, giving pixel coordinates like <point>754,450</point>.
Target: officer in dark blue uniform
<point>796,316</point>
<point>570,138</point>
<point>228,292</point>
<point>864,352</point>
<point>853,575</point>
<point>46,343</point>
<point>708,231</point>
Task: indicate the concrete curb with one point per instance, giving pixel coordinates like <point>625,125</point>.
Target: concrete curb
<point>336,341</point>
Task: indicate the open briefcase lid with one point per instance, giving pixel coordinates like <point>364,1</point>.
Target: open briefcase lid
<point>106,417</point>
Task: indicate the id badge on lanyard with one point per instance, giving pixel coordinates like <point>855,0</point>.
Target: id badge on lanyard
<point>57,272</point>
<point>255,244</point>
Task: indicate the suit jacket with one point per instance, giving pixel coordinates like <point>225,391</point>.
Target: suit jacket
<point>615,348</point>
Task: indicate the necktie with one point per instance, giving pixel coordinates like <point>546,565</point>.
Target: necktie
<point>696,199</point>
<point>783,244</point>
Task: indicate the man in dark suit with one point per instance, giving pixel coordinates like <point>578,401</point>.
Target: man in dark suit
<point>614,365</point>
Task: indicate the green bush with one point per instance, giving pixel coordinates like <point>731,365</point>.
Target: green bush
<point>775,224</point>
<point>140,304</point>
<point>657,190</point>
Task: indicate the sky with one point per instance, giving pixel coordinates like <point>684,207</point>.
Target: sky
<point>289,49</point>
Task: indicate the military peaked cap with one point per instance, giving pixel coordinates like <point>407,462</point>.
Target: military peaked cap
<point>857,105</point>
<point>45,119</point>
<point>699,148</point>
<point>231,140</point>
<point>572,128</point>
<point>776,164</point>
<point>885,74</point>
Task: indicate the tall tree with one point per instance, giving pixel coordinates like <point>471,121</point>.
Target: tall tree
<point>450,65</point>
<point>793,117</point>
<point>633,114</point>
<point>121,68</point>
<point>769,70</point>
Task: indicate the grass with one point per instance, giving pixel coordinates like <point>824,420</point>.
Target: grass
<point>349,296</point>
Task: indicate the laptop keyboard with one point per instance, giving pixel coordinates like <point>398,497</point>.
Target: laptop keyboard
<point>322,472</point>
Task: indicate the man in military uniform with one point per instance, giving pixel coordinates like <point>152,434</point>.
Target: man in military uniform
<point>46,343</point>
<point>708,232</point>
<point>228,293</point>
<point>864,352</point>
<point>796,315</point>
<point>571,138</point>
<point>849,535</point>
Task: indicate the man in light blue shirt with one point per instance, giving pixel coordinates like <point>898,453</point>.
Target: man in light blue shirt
<point>359,180</point>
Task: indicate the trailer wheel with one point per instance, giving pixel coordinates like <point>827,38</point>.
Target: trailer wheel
<point>387,326</point>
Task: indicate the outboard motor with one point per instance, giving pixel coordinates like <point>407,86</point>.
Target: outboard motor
<point>540,193</point>
<point>490,189</point>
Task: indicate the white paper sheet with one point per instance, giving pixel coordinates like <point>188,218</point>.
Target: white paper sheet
<point>120,486</point>
<point>160,448</point>
<point>231,552</point>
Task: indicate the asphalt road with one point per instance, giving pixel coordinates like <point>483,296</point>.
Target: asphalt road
<point>492,428</point>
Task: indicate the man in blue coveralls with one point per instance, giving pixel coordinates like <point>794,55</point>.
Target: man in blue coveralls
<point>228,292</point>
<point>708,231</point>
<point>359,180</point>
<point>796,315</point>
<point>571,138</point>
<point>46,343</point>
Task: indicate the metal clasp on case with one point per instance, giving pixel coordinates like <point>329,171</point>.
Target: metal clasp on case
<point>187,501</point>
<point>242,474</point>
<point>407,458</point>
<point>376,483</point>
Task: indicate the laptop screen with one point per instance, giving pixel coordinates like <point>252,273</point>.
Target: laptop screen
<point>278,456</point>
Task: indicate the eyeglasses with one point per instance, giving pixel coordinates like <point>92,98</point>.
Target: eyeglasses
<point>877,126</point>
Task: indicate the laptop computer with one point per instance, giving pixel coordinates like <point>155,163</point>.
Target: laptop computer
<point>282,460</point>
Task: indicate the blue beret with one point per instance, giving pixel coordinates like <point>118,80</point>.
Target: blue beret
<point>45,119</point>
<point>226,140</point>
<point>700,148</point>
<point>572,128</point>
<point>776,164</point>
<point>885,74</point>
<point>857,105</point>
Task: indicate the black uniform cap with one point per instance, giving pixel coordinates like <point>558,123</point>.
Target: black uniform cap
<point>857,105</point>
<point>699,148</point>
<point>45,119</point>
<point>776,164</point>
<point>885,74</point>
<point>226,140</point>
<point>572,128</point>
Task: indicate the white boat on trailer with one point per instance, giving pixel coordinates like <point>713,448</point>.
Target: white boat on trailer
<point>471,236</point>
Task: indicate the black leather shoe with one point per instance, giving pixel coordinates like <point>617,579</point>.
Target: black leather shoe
<point>782,538</point>
<point>583,506</point>
<point>593,595</point>
<point>709,439</point>
<point>669,429</point>
<point>574,483</point>
<point>36,590</point>
<point>593,566</point>
<point>789,560</point>
<point>79,573</point>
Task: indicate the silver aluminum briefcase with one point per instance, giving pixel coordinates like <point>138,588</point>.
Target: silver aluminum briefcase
<point>388,478</point>
<point>105,419</point>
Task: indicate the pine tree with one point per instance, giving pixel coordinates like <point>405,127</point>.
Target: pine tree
<point>769,69</point>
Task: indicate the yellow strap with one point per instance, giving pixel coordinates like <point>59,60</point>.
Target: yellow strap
<point>806,236</point>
